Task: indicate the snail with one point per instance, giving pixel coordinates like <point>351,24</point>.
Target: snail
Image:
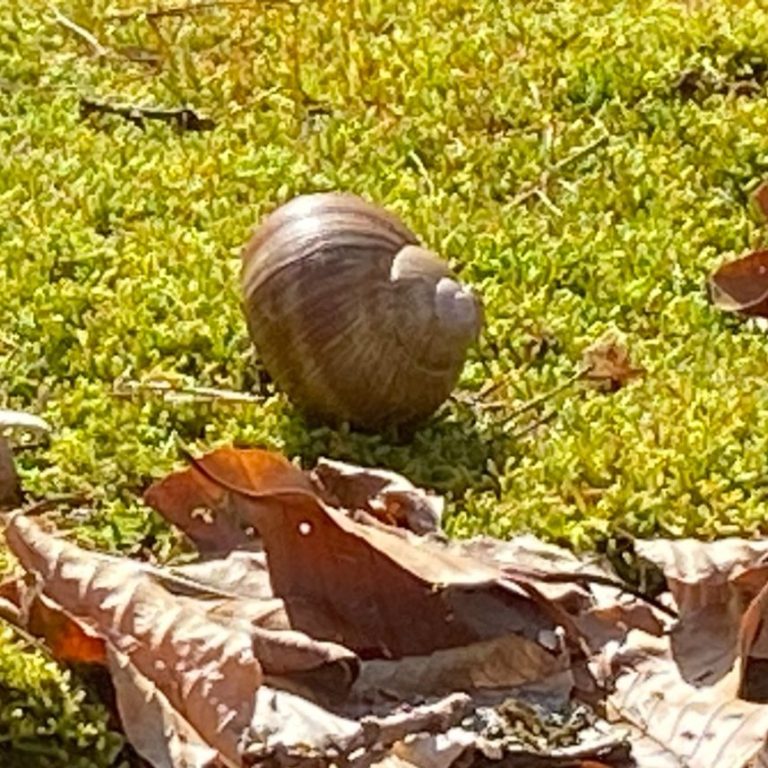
<point>351,317</point>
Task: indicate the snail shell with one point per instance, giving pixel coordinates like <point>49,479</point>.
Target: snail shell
<point>350,316</point>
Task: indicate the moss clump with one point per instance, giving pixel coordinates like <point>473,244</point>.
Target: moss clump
<point>46,721</point>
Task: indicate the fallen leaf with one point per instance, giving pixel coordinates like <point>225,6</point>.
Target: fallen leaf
<point>711,583</point>
<point>336,636</point>
<point>699,573</point>
<point>208,512</point>
<point>291,730</point>
<point>386,495</point>
<point>607,364</point>
<point>241,574</point>
<point>207,671</point>
<point>753,650</point>
<point>601,612</point>
<point>502,663</point>
<point>674,724</point>
<point>154,727</point>
<point>742,285</point>
<point>67,640</point>
<point>394,596</point>
<point>210,515</point>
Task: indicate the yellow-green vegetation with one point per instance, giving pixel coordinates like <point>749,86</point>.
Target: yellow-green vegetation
<point>644,125</point>
<point>45,720</point>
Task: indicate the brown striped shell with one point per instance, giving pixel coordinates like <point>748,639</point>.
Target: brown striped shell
<point>351,317</point>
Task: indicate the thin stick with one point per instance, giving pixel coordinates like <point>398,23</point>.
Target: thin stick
<point>190,8</point>
<point>537,188</point>
<point>96,47</point>
<point>528,191</point>
<point>580,152</point>
<point>544,197</point>
<point>45,505</point>
<point>298,93</point>
<point>184,118</point>
<point>589,578</point>
<point>534,425</point>
<point>128,389</point>
<point>531,404</point>
<point>11,616</point>
<point>497,405</point>
<point>422,169</point>
<point>489,388</point>
<point>53,501</point>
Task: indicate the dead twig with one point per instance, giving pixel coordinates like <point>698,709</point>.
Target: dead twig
<point>580,152</point>
<point>191,8</point>
<point>185,119</point>
<point>544,418</point>
<point>11,616</point>
<point>97,48</point>
<point>538,187</point>
<point>53,501</point>
<point>534,425</point>
<point>46,505</point>
<point>539,399</point>
<point>130,389</point>
<point>589,578</point>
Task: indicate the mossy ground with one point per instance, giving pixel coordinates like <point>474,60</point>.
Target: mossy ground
<point>119,251</point>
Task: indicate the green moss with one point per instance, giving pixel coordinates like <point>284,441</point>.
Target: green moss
<point>119,246</point>
<point>45,719</point>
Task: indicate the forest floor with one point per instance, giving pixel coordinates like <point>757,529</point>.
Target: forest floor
<point>583,165</point>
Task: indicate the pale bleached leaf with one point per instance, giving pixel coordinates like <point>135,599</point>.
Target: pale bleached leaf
<point>287,728</point>
<point>673,724</point>
<point>502,663</point>
<point>241,574</point>
<point>155,729</point>
<point>699,573</point>
<point>207,670</point>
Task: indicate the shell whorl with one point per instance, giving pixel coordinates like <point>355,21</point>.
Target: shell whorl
<point>350,316</point>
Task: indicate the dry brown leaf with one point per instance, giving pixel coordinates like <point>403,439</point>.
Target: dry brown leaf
<point>68,640</point>
<point>386,495</point>
<point>208,512</point>
<point>320,670</point>
<point>601,612</point>
<point>674,724</point>
<point>427,618</point>
<point>206,670</point>
<point>395,596</point>
<point>601,625</point>
<point>188,689</point>
<point>528,553</point>
<point>210,515</point>
<point>742,285</point>
<point>607,364</point>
